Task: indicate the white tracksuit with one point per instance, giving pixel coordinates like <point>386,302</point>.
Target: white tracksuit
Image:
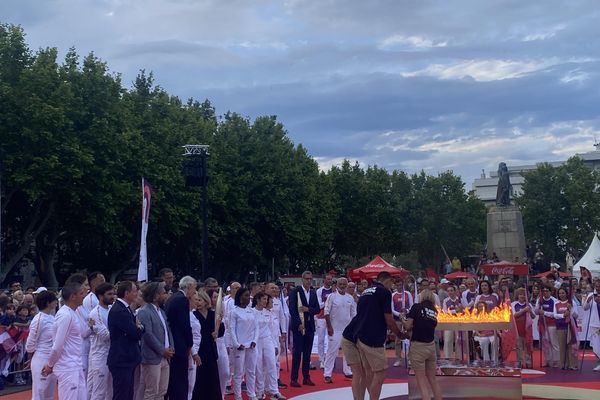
<point>341,308</point>
<point>223,364</point>
<point>65,357</point>
<point>268,343</point>
<point>228,304</point>
<point>281,323</point>
<point>322,294</point>
<point>594,323</point>
<point>99,379</point>
<point>39,342</point>
<point>89,302</point>
<point>244,331</point>
<point>452,339</point>
<point>552,352</point>
<point>197,338</point>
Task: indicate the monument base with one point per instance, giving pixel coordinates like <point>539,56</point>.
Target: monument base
<point>505,235</point>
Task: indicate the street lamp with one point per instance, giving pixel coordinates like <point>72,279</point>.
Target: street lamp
<point>196,175</point>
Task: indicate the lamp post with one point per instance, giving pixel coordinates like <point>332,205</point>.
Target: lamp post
<point>196,175</point>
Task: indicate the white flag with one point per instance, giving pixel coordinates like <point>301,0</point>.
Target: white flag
<point>146,198</point>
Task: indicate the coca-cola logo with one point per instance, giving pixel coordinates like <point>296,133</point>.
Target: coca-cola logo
<point>503,270</point>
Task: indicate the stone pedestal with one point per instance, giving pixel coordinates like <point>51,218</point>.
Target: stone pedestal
<point>505,235</point>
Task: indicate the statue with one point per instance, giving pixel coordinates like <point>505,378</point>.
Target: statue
<point>504,187</point>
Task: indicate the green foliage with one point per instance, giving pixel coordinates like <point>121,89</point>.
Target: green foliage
<point>561,207</point>
<point>75,143</point>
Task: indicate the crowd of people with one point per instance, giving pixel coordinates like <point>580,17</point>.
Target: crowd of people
<point>192,340</point>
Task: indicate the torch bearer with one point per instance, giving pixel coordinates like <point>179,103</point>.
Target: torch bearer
<point>219,312</point>
<point>301,313</point>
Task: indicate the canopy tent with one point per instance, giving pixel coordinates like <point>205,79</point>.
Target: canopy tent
<point>505,268</point>
<point>373,268</point>
<point>590,260</point>
<point>459,275</point>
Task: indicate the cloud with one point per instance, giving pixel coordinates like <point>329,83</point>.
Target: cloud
<point>410,85</point>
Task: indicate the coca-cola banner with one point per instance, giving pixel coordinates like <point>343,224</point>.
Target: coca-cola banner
<point>505,269</point>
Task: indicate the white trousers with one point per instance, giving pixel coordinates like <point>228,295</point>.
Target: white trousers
<point>487,343</point>
<point>551,352</point>
<point>266,367</point>
<point>333,345</point>
<point>244,363</point>
<point>595,340</point>
<point>223,364</point>
<point>99,382</point>
<point>71,385</point>
<point>192,367</point>
<point>42,387</point>
<point>321,334</point>
<point>453,345</point>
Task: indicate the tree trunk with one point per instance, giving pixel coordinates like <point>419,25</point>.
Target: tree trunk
<point>45,250</point>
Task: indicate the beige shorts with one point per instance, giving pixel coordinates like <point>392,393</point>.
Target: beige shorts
<point>422,356</point>
<point>350,352</point>
<point>372,358</point>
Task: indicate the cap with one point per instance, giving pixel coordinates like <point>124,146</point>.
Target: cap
<point>40,290</point>
<point>444,280</point>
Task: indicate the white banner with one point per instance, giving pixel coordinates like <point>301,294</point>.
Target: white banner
<point>146,198</point>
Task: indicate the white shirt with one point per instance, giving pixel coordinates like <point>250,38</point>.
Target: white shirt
<point>100,338</point>
<point>196,333</point>
<point>265,326</point>
<point>89,302</point>
<point>244,326</point>
<point>41,333</point>
<point>164,324</point>
<point>594,318</point>
<point>279,316</point>
<point>341,308</point>
<point>67,347</point>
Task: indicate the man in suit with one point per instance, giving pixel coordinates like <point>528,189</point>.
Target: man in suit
<point>304,333</point>
<point>157,341</point>
<point>178,316</point>
<point>125,334</point>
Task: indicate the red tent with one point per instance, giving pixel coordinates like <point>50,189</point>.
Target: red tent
<point>372,269</point>
<point>459,275</point>
<point>505,268</point>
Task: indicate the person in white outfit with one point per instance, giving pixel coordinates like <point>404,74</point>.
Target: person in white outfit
<point>65,359</point>
<point>452,345</point>
<point>322,293</point>
<point>340,308</point>
<point>267,348</point>
<point>486,338</point>
<point>244,336</point>
<point>402,301</point>
<point>592,303</point>
<point>228,305</point>
<point>197,339</point>
<point>281,320</point>
<point>549,336</point>
<point>223,361</point>
<point>39,344</point>
<point>99,379</point>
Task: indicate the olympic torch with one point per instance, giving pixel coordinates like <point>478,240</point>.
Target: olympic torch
<point>219,312</point>
<point>301,313</point>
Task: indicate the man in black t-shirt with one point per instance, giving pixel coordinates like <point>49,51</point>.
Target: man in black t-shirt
<point>364,338</point>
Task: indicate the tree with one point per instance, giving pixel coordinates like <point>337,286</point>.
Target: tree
<point>560,207</point>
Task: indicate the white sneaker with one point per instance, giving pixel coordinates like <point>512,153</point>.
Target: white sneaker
<point>397,363</point>
<point>597,368</point>
<point>322,366</point>
<point>278,396</point>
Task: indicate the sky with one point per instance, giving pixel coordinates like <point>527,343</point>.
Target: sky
<point>412,85</point>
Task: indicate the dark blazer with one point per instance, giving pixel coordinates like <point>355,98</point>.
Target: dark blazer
<point>153,341</point>
<point>178,315</point>
<point>313,308</point>
<point>124,350</point>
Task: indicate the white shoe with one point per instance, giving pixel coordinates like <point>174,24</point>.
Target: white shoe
<point>322,366</point>
<point>597,368</point>
<point>397,363</point>
<point>278,396</point>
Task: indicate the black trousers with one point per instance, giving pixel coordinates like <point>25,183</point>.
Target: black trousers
<point>302,349</point>
<point>122,382</point>
<point>178,379</point>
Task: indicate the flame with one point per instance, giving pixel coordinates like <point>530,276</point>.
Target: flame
<point>497,314</point>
